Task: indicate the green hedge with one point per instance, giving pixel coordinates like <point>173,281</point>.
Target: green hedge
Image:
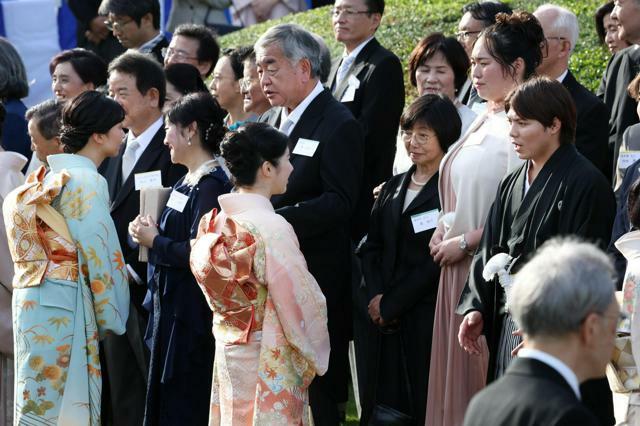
<point>405,22</point>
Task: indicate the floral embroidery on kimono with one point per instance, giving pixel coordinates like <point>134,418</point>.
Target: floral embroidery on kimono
<point>70,289</point>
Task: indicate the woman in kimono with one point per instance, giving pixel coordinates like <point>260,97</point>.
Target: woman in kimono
<point>401,276</point>
<point>269,314</point>
<point>556,192</point>
<point>506,54</point>
<point>70,286</point>
<point>179,329</point>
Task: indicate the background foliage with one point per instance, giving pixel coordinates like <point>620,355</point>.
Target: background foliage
<point>405,22</point>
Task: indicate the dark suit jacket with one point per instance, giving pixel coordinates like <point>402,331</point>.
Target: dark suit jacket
<point>622,68</point>
<point>125,200</point>
<point>319,203</point>
<point>377,105</point>
<point>530,393</point>
<point>156,52</point>
<point>592,130</point>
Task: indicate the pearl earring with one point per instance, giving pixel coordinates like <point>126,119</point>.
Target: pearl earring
<point>189,141</point>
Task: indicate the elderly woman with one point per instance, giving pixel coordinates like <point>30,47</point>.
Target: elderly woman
<point>438,64</point>
<point>75,71</point>
<point>506,54</point>
<point>269,314</point>
<point>401,276</point>
<point>607,29</point>
<point>13,87</point>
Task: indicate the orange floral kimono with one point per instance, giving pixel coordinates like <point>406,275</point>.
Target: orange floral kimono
<point>269,314</point>
<point>70,288</point>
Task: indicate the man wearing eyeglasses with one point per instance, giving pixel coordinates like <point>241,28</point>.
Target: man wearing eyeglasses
<point>136,25</point>
<point>560,28</point>
<point>195,45</point>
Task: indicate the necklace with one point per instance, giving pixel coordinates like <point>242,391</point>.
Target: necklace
<point>413,179</point>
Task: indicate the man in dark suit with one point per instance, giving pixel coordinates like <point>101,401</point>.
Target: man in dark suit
<point>560,28</point>
<point>622,68</point>
<point>563,300</point>
<point>327,157</point>
<point>136,25</point>
<point>137,83</point>
<point>368,80</point>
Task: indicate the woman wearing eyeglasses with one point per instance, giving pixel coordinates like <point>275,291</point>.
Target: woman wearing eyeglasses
<point>401,276</point>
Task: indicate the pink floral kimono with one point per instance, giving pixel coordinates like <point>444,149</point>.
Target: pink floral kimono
<point>269,315</point>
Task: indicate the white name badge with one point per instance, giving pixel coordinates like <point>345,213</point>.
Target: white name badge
<point>627,158</point>
<point>306,147</point>
<point>425,221</point>
<point>148,180</point>
<point>177,201</point>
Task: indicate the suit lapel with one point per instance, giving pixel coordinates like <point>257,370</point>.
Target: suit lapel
<point>397,202</point>
<point>144,163</point>
<point>361,61</point>
<point>533,368</point>
<point>310,118</point>
<point>114,172</point>
<point>428,191</point>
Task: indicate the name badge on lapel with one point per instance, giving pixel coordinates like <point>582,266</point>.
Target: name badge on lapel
<point>627,158</point>
<point>350,93</point>
<point>306,147</point>
<point>424,221</point>
<point>177,201</point>
<point>148,180</point>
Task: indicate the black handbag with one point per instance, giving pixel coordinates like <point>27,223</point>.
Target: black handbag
<point>383,415</point>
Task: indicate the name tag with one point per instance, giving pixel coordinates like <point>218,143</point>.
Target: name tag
<point>627,158</point>
<point>177,201</point>
<point>148,180</point>
<point>425,221</point>
<point>306,147</point>
<point>350,93</point>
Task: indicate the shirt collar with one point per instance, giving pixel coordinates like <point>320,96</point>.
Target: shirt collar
<point>148,46</point>
<point>144,138</point>
<point>354,53</point>
<point>296,113</point>
<point>553,362</point>
<point>562,76</point>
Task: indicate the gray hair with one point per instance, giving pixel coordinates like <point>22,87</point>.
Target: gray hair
<point>325,59</point>
<point>13,77</point>
<point>564,282</point>
<point>296,43</point>
<point>565,22</point>
<point>47,116</point>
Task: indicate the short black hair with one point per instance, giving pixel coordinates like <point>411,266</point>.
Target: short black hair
<point>452,50</point>
<point>246,149</point>
<point>47,116</point>
<point>88,113</point>
<point>542,99</point>
<point>437,112</point>
<point>146,70</point>
<point>236,59</point>
<point>185,78</point>
<point>208,48</point>
<point>375,6</point>
<point>601,12</point>
<point>135,9</point>
<point>203,109</point>
<point>13,75</point>
<point>3,113</point>
<point>90,67</point>
<point>486,11</point>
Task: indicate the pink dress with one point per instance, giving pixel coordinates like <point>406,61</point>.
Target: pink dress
<point>269,315</point>
<point>469,177</point>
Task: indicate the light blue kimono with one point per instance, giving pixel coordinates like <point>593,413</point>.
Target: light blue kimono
<point>58,321</point>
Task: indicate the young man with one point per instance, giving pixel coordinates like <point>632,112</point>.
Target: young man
<point>195,45</point>
<point>137,83</point>
<point>136,25</point>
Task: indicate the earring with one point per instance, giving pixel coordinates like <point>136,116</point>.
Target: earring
<point>189,141</point>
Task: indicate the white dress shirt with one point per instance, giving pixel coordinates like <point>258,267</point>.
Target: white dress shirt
<point>553,362</point>
<point>296,113</point>
<point>144,139</point>
<point>561,77</point>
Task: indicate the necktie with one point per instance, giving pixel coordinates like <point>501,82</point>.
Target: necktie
<point>129,158</point>
<point>285,127</point>
<point>342,71</point>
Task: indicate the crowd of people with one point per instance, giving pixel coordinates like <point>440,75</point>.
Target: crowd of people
<point>445,257</point>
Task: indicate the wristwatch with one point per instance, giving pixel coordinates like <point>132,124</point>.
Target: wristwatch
<point>464,246</point>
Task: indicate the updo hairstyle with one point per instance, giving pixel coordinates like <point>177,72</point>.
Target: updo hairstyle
<point>246,149</point>
<point>202,108</point>
<point>518,35</point>
<point>88,113</point>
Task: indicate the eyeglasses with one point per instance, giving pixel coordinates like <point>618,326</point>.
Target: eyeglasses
<point>466,35</point>
<point>116,25</point>
<point>169,52</point>
<point>349,13</point>
<point>245,83</point>
<point>417,138</point>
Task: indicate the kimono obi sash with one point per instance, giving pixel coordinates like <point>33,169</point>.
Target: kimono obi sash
<point>39,240</point>
<point>223,264</point>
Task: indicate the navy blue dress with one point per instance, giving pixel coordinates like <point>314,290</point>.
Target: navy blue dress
<point>15,136</point>
<point>179,333</point>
